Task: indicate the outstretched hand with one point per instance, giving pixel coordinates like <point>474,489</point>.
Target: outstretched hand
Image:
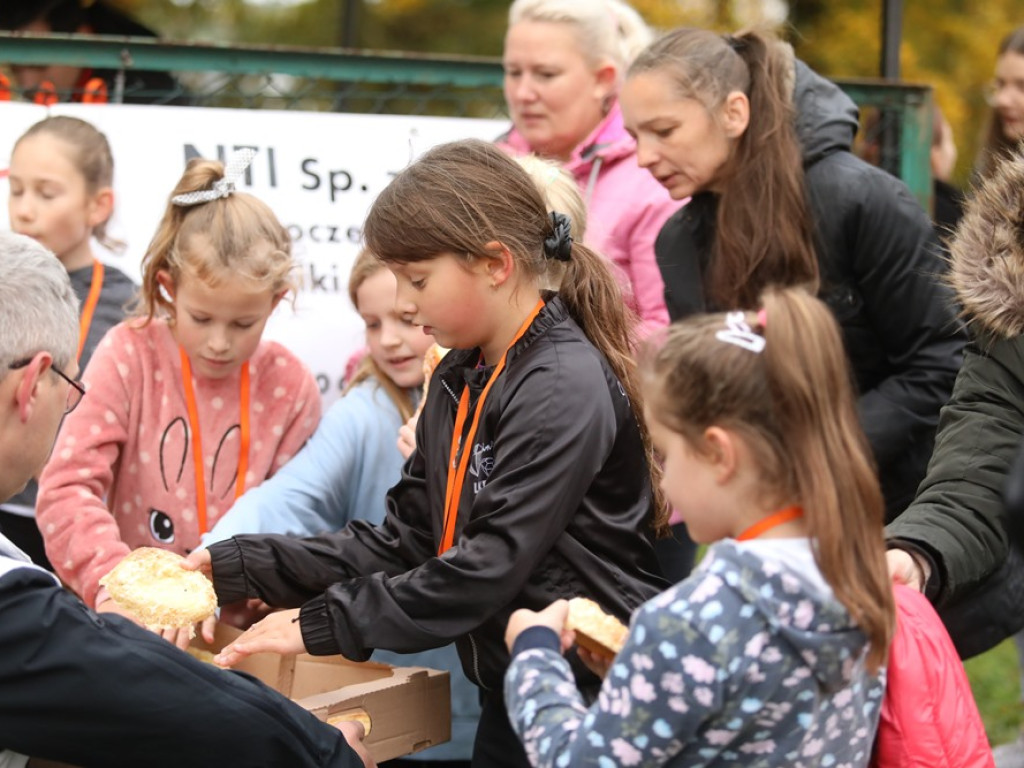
<point>278,633</point>
<point>407,437</point>
<point>199,560</point>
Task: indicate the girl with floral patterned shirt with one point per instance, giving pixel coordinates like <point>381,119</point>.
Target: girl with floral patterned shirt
<point>772,651</point>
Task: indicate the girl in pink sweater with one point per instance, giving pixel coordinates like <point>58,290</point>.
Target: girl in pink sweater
<point>186,407</point>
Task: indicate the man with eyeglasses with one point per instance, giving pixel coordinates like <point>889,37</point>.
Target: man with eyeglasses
<point>88,689</point>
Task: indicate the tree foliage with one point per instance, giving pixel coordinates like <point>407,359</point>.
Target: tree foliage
<point>949,44</point>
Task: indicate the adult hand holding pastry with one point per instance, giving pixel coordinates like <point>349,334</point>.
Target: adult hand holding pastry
<point>278,633</point>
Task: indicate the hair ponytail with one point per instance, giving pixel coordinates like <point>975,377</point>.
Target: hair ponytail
<point>812,392</point>
<point>793,402</point>
<point>462,196</point>
<point>594,299</point>
<point>231,227</point>
<point>764,234</point>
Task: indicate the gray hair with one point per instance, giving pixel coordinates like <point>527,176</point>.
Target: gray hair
<point>38,307</point>
<point>605,29</point>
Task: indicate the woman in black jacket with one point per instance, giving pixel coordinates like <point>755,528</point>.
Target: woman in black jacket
<point>762,144</point>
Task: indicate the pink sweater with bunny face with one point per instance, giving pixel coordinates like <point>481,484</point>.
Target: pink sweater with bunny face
<point>122,472</point>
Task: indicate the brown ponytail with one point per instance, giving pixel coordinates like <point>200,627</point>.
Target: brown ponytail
<point>794,403</point>
<point>764,234</point>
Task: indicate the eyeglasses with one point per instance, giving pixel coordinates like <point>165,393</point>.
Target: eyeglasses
<point>75,392</point>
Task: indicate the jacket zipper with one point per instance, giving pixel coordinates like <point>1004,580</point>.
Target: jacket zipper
<point>476,662</point>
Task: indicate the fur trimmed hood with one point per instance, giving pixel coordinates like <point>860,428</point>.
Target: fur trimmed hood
<point>987,252</point>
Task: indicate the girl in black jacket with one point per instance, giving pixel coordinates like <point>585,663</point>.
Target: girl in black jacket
<point>761,144</point>
<point>532,479</point>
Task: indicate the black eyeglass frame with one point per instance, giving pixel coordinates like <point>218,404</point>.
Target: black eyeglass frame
<point>72,401</point>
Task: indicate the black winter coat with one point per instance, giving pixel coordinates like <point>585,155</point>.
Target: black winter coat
<point>557,503</point>
<point>879,264</point>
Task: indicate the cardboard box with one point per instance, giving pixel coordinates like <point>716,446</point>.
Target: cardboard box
<point>409,708</point>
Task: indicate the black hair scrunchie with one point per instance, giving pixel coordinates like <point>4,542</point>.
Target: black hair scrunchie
<point>558,245</point>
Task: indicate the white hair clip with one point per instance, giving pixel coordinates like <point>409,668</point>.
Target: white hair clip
<point>739,333</point>
<point>238,162</point>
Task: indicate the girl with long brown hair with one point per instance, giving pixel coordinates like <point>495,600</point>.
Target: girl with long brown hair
<point>532,476</point>
<point>770,652</point>
<point>761,143</point>
<point>1005,128</point>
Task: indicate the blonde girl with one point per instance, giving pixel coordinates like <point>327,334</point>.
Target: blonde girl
<point>531,476</point>
<point>771,652</point>
<point>187,405</point>
<point>61,194</point>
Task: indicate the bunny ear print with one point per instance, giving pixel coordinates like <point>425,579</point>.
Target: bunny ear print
<point>237,164</point>
<point>224,474</point>
<point>172,461</point>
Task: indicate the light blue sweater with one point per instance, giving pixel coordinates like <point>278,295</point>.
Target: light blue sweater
<point>342,474</point>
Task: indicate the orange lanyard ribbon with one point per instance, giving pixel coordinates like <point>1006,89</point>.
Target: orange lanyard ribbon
<point>456,479</point>
<point>85,321</point>
<point>197,446</point>
<point>771,521</point>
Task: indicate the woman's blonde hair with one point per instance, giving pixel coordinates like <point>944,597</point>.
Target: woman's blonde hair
<point>561,194</point>
<point>366,266</point>
<point>457,198</point>
<point>793,402</point>
<point>216,241</point>
<point>607,30</point>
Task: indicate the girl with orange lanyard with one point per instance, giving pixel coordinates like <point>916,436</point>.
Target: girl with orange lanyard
<point>60,193</point>
<point>187,406</point>
<point>772,652</point>
<point>531,478</point>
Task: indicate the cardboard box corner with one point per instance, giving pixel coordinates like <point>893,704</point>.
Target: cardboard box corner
<point>409,708</point>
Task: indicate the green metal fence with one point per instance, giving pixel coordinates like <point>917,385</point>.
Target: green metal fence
<point>275,77</point>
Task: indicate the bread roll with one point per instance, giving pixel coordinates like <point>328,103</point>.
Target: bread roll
<point>355,715</point>
<point>597,631</point>
<point>152,585</point>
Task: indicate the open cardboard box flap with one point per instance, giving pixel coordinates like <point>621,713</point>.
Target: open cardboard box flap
<point>408,708</point>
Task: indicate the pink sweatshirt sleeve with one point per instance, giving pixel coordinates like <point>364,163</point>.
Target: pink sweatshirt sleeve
<point>83,541</point>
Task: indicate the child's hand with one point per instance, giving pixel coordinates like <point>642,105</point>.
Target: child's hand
<point>354,733</point>
<point>407,437</point>
<point>278,633</point>
<point>199,560</point>
<point>596,663</point>
<point>553,616</point>
<point>244,613</point>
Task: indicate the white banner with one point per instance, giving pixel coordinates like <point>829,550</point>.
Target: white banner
<point>318,171</point>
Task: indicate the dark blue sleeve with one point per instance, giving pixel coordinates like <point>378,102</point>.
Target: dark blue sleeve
<point>87,689</point>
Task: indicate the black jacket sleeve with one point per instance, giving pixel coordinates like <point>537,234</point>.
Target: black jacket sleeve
<point>93,690</point>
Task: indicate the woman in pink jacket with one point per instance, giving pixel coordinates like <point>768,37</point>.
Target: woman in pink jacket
<point>564,62</point>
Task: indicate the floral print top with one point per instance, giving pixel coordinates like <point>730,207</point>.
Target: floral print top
<point>746,662</point>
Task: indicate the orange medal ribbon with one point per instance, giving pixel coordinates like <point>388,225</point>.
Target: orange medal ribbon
<point>772,521</point>
<point>197,446</point>
<point>85,321</point>
<point>456,479</point>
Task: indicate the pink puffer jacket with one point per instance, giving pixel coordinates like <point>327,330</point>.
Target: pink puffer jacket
<point>625,210</point>
<point>929,718</point>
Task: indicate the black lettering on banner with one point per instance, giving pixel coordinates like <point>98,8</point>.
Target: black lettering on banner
<point>264,159</point>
